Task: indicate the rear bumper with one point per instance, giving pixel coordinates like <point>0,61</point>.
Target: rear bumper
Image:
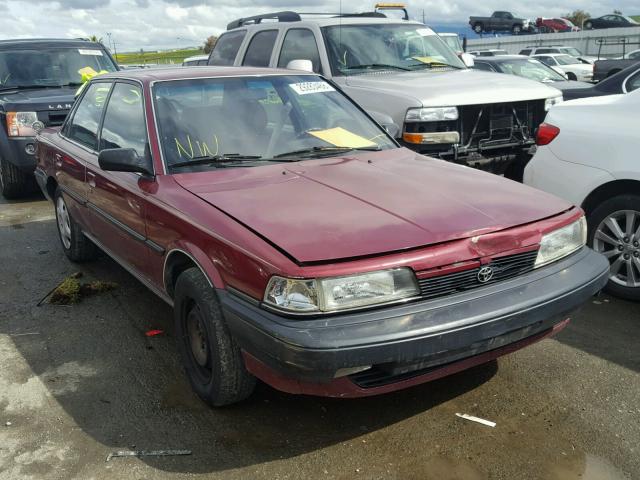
<point>412,343</point>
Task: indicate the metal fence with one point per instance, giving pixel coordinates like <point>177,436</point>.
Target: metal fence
<point>610,42</point>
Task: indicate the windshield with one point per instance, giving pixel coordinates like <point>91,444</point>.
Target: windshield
<point>532,69</point>
<point>51,67</point>
<point>253,120</point>
<point>631,20</point>
<point>566,60</point>
<point>574,52</point>
<point>357,49</point>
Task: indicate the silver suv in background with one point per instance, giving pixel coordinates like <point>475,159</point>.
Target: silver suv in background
<point>404,75</point>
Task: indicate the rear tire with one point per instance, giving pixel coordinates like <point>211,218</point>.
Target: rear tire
<point>622,211</point>
<point>478,28</point>
<point>212,359</point>
<point>517,29</point>
<point>76,246</point>
<point>13,182</point>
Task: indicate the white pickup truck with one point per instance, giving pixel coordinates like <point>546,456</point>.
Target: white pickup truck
<point>407,78</point>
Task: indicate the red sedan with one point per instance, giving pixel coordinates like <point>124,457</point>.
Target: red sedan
<point>297,242</point>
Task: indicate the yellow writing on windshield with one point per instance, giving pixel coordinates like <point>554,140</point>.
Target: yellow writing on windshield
<point>201,149</point>
<point>339,137</point>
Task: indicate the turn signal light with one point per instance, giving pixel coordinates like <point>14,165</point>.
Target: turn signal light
<point>546,133</point>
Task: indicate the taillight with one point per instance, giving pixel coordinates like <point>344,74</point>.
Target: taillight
<point>546,133</point>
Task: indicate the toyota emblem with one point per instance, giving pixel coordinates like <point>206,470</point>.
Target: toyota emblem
<point>485,274</point>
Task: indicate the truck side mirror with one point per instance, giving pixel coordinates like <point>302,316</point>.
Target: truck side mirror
<point>300,64</point>
<point>468,60</point>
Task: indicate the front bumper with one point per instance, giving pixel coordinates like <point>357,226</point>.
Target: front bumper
<point>414,342</point>
<point>18,156</point>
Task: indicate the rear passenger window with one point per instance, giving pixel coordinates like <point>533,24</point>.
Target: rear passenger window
<point>525,52</point>
<point>260,48</point>
<point>124,125</point>
<point>226,49</point>
<point>483,66</point>
<point>300,44</point>
<point>83,127</point>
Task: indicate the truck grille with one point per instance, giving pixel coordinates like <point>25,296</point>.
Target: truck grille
<point>502,268</point>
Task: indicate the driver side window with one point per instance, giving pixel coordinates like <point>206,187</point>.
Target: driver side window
<point>83,127</point>
<point>124,125</point>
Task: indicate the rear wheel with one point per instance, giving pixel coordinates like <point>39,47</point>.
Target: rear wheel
<point>614,231</point>
<point>478,28</point>
<point>76,246</point>
<point>517,29</point>
<point>13,182</point>
<point>211,357</point>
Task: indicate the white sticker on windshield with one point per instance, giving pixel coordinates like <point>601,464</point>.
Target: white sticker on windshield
<point>305,88</point>
<point>425,32</point>
<point>90,52</point>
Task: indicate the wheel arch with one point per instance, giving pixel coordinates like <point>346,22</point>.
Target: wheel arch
<point>51,187</point>
<point>181,258</point>
<point>608,190</point>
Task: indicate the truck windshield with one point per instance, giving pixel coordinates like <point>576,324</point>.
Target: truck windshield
<point>357,49</point>
<point>248,121</point>
<point>51,67</point>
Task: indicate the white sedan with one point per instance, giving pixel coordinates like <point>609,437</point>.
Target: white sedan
<point>571,66</point>
<point>588,154</point>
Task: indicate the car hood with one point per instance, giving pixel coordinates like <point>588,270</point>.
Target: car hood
<point>454,87</point>
<point>59,98</point>
<point>374,203</point>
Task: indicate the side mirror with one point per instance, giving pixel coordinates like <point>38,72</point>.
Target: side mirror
<point>300,64</point>
<point>124,160</point>
<point>468,60</point>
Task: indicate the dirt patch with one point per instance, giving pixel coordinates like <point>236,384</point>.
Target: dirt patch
<point>71,290</point>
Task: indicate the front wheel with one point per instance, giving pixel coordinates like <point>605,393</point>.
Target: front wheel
<point>614,231</point>
<point>211,357</point>
<point>588,25</point>
<point>76,246</point>
<point>572,76</point>
<point>13,182</point>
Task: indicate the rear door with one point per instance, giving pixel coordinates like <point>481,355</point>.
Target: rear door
<point>80,133</point>
<point>116,199</point>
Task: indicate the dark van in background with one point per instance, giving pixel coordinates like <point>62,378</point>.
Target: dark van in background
<point>38,82</point>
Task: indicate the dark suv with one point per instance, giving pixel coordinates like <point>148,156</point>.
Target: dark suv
<point>38,82</point>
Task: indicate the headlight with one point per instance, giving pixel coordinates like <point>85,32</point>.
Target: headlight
<point>20,124</point>
<point>340,293</point>
<point>431,114</point>
<point>562,242</point>
<point>550,102</point>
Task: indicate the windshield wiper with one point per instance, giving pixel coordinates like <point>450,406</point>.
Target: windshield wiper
<point>70,84</point>
<point>320,150</point>
<point>434,64</point>
<point>213,159</point>
<point>376,65</point>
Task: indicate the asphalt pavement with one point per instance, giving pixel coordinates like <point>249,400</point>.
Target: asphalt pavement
<point>80,382</point>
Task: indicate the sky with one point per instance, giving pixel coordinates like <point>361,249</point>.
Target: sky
<point>152,24</point>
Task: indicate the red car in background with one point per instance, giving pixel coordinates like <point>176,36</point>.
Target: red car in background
<point>297,242</point>
<point>552,25</point>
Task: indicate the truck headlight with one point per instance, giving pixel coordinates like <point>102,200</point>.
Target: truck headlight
<point>20,124</point>
<point>550,102</point>
<point>431,114</point>
<point>340,293</point>
<point>562,242</point>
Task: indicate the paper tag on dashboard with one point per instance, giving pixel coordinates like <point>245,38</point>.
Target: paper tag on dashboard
<point>304,88</point>
<point>93,53</point>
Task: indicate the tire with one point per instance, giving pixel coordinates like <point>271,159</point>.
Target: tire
<point>13,182</point>
<point>76,246</point>
<point>572,76</point>
<point>211,357</point>
<point>624,256</point>
<point>588,26</point>
<point>478,27</point>
<point>516,29</point>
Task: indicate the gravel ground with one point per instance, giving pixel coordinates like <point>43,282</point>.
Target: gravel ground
<point>80,382</point>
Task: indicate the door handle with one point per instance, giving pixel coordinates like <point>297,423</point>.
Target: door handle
<point>91,179</point>
<point>58,160</point>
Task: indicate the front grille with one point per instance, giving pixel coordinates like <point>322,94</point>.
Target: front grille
<point>503,268</point>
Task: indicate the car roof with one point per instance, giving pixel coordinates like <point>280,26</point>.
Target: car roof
<point>552,55</point>
<point>330,21</point>
<point>178,73</point>
<point>48,42</point>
